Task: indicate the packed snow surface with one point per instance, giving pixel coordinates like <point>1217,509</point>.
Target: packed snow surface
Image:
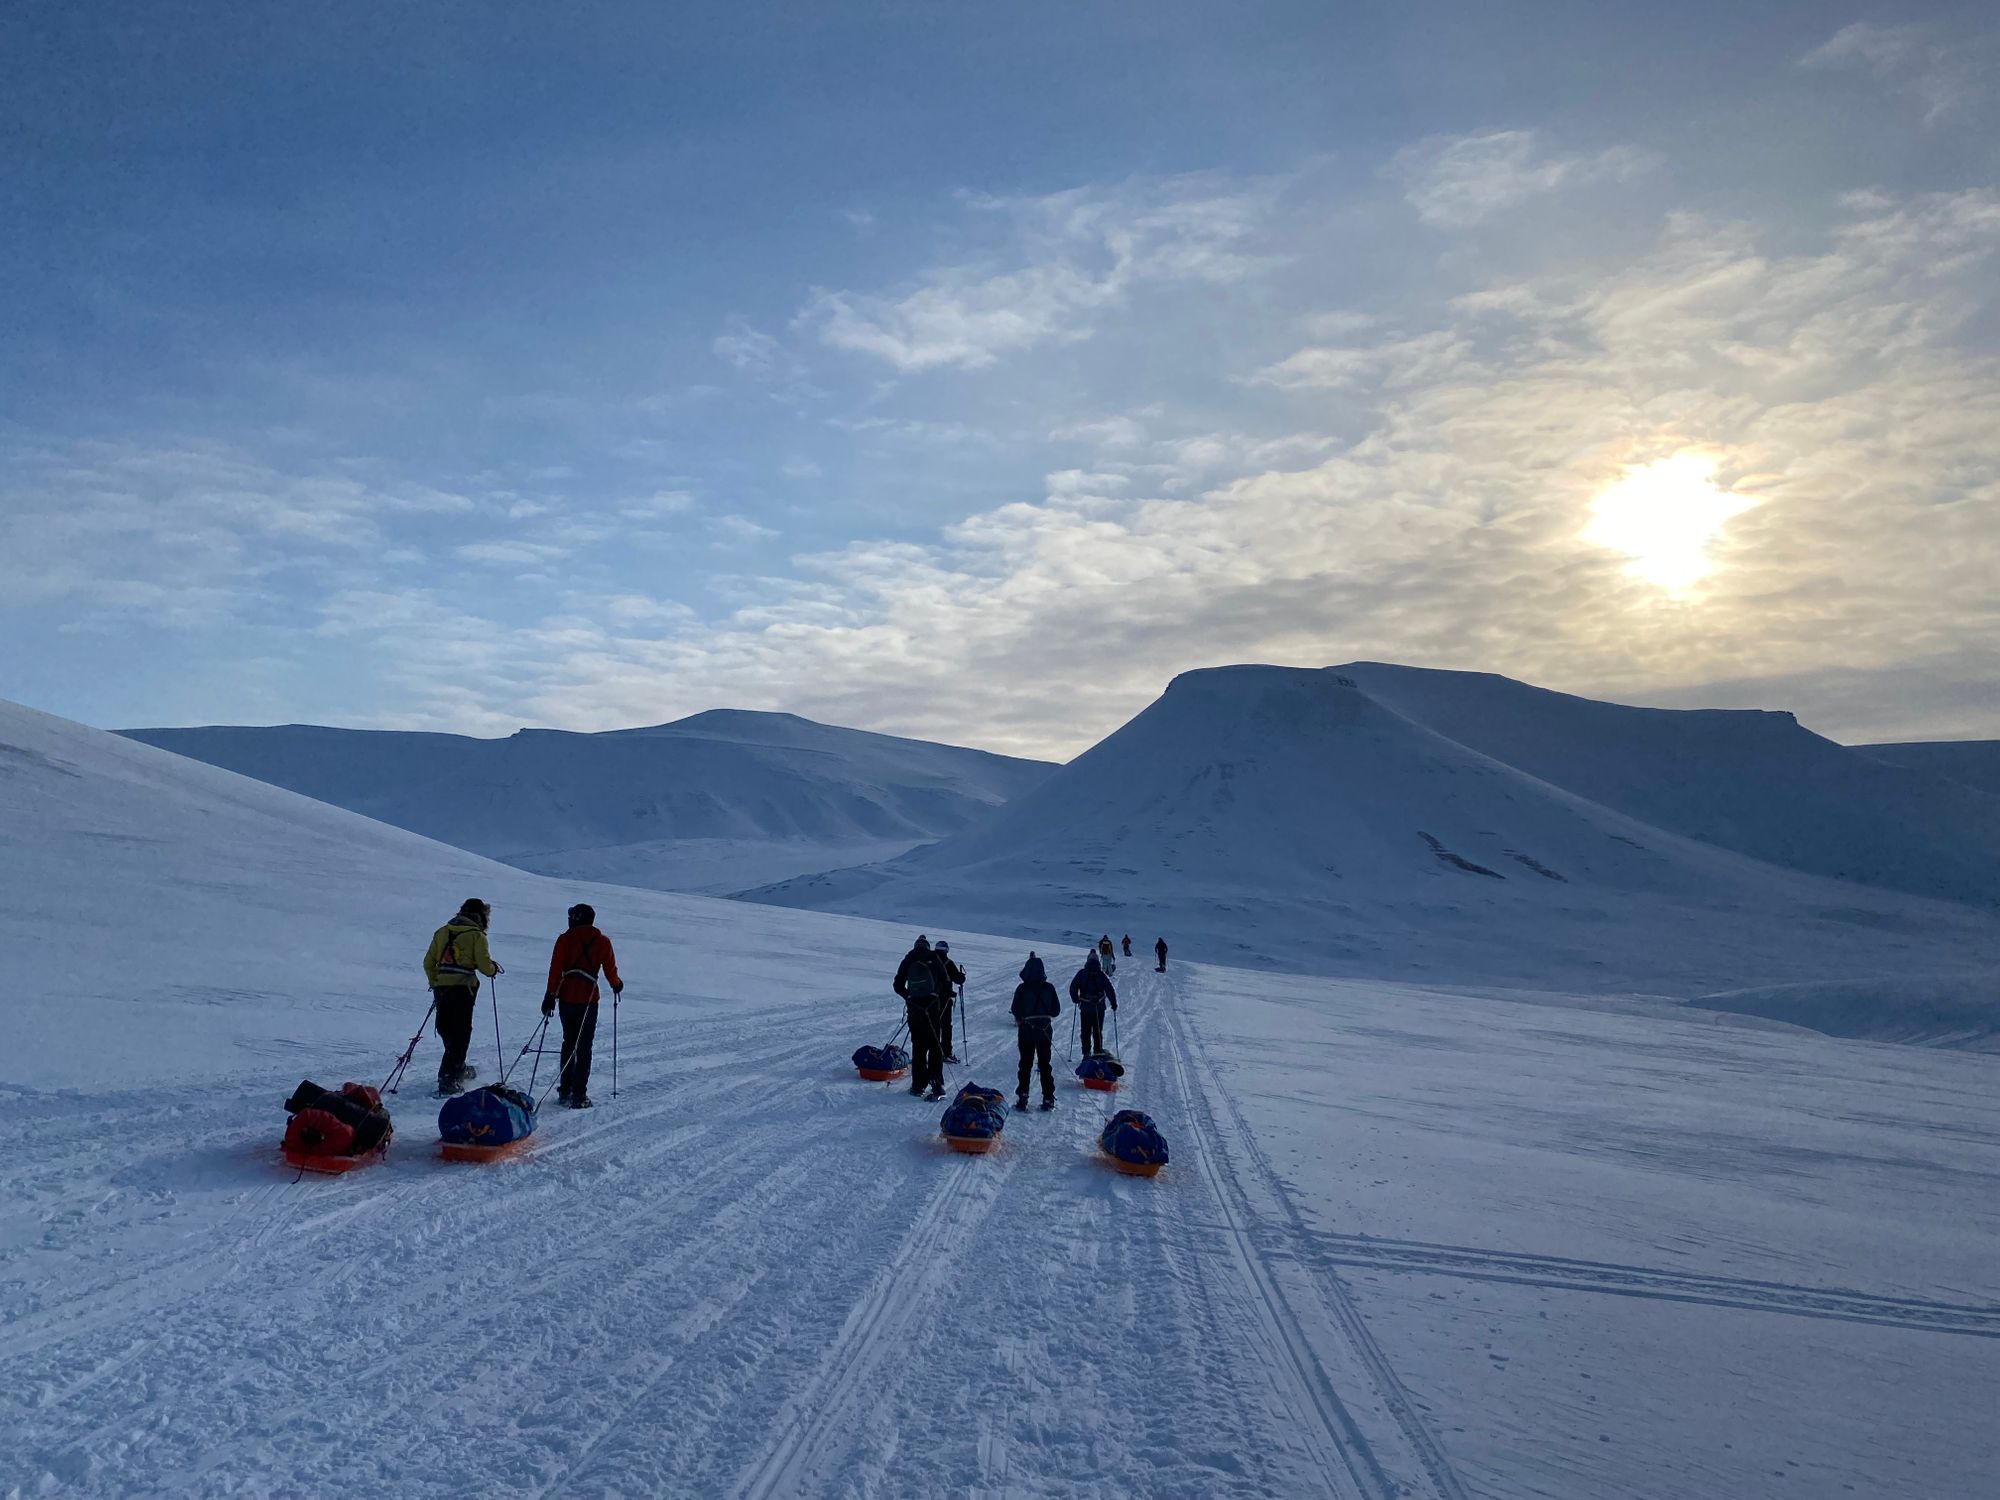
<point>1297,819</point>
<point>718,801</point>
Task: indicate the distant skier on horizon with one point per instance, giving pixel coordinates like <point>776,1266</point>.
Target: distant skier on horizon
<point>1160,948</point>
<point>1088,992</point>
<point>1127,942</point>
<point>1106,956</point>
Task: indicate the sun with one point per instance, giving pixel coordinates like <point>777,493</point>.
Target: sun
<point>1662,516</point>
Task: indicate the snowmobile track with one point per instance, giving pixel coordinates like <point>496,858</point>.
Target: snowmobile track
<point>1433,1473</point>
<point>1468,1263</point>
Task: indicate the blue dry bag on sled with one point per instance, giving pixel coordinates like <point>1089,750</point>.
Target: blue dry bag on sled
<point>1102,1066</point>
<point>1133,1142</point>
<point>881,1062</point>
<point>493,1116</point>
<point>974,1120</point>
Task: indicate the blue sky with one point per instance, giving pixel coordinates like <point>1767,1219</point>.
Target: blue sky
<point>968,371</point>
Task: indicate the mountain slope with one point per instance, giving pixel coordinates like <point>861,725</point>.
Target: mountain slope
<point>1973,763</point>
<point>1287,817</point>
<point>1753,782</point>
<point>721,798</point>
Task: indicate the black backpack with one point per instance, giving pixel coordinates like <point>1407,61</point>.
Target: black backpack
<point>920,983</point>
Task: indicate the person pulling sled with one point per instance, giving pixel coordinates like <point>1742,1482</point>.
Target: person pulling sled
<point>1036,1007</point>
<point>1089,992</point>
<point>1160,951</point>
<point>956,975</point>
<point>1126,943</point>
<point>573,966</point>
<point>924,986</point>
<point>458,955</point>
<point>1105,956</point>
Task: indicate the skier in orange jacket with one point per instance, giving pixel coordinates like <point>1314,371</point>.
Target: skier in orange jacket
<point>573,986</point>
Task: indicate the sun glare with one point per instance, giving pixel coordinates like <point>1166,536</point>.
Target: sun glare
<point>1662,516</point>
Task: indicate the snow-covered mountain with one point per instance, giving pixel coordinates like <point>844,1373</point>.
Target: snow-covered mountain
<point>1975,763</point>
<point>1336,821</point>
<point>716,801</point>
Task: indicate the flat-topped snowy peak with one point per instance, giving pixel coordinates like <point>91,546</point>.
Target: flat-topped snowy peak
<point>1329,819</point>
<point>1756,782</point>
<point>667,805</point>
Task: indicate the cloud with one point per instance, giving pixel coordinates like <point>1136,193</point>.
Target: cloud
<point>1055,263</point>
<point>1910,59</point>
<point>511,553</point>
<point>1457,182</point>
<point>757,354</point>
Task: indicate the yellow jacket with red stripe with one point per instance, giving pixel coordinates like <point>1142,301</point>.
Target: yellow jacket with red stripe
<point>458,955</point>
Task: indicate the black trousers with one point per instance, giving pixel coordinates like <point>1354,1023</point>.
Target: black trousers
<point>1091,1019</point>
<point>454,1026</point>
<point>1037,1038</point>
<point>926,1046</point>
<point>579,1024</point>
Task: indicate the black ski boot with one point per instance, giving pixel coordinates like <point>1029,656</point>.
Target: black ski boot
<point>467,1073</point>
<point>1046,1103</point>
<point>952,1058</point>
<point>580,1101</point>
<point>448,1087</point>
<point>936,1093</point>
<point>1020,1101</point>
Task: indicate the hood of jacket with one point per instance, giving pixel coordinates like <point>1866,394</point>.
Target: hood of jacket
<point>1032,971</point>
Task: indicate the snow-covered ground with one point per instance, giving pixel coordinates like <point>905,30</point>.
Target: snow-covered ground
<point>1412,1242</point>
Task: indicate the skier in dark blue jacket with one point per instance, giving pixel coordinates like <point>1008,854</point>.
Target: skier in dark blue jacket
<point>1088,992</point>
<point>1036,1007</point>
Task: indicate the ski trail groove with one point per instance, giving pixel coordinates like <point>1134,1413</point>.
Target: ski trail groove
<point>872,1332</point>
<point>1329,1426</point>
<point>1436,1476</point>
<point>1469,1263</point>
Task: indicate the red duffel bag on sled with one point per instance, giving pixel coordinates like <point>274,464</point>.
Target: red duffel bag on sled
<point>335,1130</point>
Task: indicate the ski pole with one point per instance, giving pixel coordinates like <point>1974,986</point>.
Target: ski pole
<point>533,1044</point>
<point>615,995</point>
<point>964,1031</point>
<point>499,1056</point>
<point>1116,1045</point>
<point>395,1078</point>
<point>1072,1031</point>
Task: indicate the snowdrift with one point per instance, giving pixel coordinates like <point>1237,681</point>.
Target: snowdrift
<point>716,801</point>
<point>1288,818</point>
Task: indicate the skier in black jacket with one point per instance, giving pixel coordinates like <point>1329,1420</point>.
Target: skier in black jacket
<point>1088,992</point>
<point>957,977</point>
<point>1036,1007</point>
<point>925,990</point>
<point>1160,948</point>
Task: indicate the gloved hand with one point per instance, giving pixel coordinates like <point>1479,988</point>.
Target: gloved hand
<point>548,1005</point>
<point>1114,1005</point>
<point>498,970</point>
<point>617,989</point>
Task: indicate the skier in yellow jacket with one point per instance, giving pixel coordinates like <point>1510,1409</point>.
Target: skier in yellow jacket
<point>458,955</point>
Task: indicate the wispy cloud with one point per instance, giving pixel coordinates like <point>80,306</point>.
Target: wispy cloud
<point>1052,266</point>
<point>1455,182</point>
<point>1912,59</point>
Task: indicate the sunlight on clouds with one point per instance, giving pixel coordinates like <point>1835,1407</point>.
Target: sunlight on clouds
<point>1662,516</point>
